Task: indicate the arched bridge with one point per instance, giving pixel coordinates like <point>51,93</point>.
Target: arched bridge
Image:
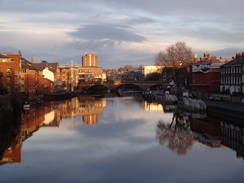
<point>114,86</point>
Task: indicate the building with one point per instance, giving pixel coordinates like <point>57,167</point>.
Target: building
<point>10,72</point>
<point>89,60</point>
<point>232,75</point>
<point>69,76</point>
<point>20,75</point>
<point>146,70</point>
<point>206,73</point>
<point>51,73</point>
<point>90,72</point>
<point>53,67</point>
<point>206,76</point>
<point>211,59</point>
<point>32,79</point>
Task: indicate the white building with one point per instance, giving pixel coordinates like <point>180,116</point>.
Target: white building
<point>151,69</point>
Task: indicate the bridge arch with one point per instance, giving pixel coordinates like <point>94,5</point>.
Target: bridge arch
<point>127,88</point>
<point>98,88</point>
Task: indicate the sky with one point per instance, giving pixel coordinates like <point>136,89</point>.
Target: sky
<point>119,32</point>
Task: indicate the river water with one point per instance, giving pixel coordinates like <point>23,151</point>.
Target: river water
<point>119,139</point>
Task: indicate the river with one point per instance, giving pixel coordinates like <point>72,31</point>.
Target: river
<point>91,139</point>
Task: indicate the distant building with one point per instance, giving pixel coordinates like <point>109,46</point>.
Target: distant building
<point>90,72</point>
<point>211,59</point>
<point>52,66</point>
<point>32,79</point>
<point>69,76</point>
<point>52,82</point>
<point>206,73</point>
<point>89,60</point>
<point>10,69</point>
<point>146,70</point>
<point>206,76</point>
<point>232,75</point>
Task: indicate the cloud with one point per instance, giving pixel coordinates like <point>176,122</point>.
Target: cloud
<point>92,45</point>
<point>107,32</point>
<point>139,20</point>
<point>119,32</point>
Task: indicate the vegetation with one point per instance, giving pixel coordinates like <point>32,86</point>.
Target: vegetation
<point>177,55</point>
<point>175,58</point>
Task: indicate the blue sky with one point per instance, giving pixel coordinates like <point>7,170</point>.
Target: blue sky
<point>120,32</point>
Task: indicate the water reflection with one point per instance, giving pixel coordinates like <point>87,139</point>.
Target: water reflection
<point>187,128</point>
<point>179,134</point>
<point>48,114</point>
<point>10,135</point>
<point>176,134</point>
<point>94,139</point>
<point>152,106</point>
<point>232,136</point>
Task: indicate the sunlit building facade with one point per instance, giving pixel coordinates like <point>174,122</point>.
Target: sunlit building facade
<point>90,72</point>
<point>89,60</point>
<point>146,70</point>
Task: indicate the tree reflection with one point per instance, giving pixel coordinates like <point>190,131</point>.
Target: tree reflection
<point>177,134</point>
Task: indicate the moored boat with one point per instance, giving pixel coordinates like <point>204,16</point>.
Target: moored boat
<point>194,105</point>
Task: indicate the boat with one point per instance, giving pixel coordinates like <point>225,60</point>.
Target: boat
<point>167,99</point>
<point>193,105</point>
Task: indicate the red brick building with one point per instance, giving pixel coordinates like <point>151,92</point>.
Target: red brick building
<point>10,67</point>
<point>206,77</point>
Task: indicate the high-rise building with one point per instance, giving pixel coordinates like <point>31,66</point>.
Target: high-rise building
<point>89,60</point>
<point>90,72</point>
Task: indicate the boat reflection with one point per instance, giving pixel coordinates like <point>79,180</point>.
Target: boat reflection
<point>186,128</point>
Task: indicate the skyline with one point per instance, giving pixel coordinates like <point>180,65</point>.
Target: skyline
<point>119,32</point>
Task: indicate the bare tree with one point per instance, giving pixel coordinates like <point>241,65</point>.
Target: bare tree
<point>177,55</point>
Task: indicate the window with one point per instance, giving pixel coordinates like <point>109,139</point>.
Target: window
<point>8,79</point>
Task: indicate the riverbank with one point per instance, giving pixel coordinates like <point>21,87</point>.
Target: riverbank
<point>225,110</point>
